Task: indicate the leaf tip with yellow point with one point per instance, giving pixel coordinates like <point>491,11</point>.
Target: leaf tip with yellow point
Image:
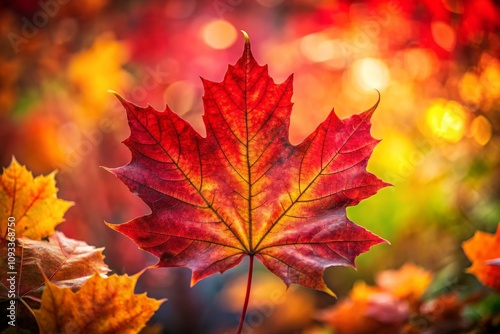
<point>116,94</point>
<point>330,292</point>
<point>245,35</point>
<point>112,226</point>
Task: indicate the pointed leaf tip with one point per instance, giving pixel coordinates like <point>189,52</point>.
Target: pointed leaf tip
<point>375,106</point>
<point>115,93</point>
<point>329,292</point>
<point>245,35</point>
<point>118,96</point>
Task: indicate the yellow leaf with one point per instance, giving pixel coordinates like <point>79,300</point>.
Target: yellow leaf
<point>31,202</point>
<point>102,305</point>
<point>95,70</point>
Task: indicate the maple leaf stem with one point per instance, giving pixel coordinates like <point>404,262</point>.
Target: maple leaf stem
<point>247,295</point>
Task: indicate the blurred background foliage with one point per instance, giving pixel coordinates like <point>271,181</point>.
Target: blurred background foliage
<point>436,65</point>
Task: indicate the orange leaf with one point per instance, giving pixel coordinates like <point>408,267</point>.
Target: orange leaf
<point>102,305</point>
<point>408,282</point>
<point>367,310</point>
<point>381,309</point>
<point>32,202</point>
<point>482,250</point>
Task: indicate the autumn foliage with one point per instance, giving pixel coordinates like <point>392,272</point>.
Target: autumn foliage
<point>49,267</point>
<point>102,305</point>
<point>384,308</point>
<point>64,262</point>
<point>244,189</point>
<point>32,201</point>
<point>483,249</point>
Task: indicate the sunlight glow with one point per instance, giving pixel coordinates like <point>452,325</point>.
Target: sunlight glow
<point>371,73</point>
<point>219,34</point>
<point>420,63</point>
<point>481,130</point>
<point>490,79</point>
<point>471,90</point>
<point>317,47</point>
<point>447,119</point>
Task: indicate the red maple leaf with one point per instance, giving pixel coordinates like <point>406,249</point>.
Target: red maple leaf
<point>244,189</point>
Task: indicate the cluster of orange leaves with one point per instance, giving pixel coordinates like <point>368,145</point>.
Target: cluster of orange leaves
<point>384,308</point>
<point>62,282</point>
<point>396,303</point>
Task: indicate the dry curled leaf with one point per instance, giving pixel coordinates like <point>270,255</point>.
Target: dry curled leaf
<point>65,262</point>
<point>32,202</point>
<point>102,305</point>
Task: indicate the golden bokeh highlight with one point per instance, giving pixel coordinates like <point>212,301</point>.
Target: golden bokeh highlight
<point>339,58</point>
<point>419,63</point>
<point>481,130</point>
<point>371,73</point>
<point>219,34</point>
<point>470,88</point>
<point>97,69</point>
<point>447,119</point>
<point>490,79</point>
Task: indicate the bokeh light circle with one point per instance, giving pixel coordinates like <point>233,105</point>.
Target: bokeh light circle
<point>219,34</point>
<point>371,73</point>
